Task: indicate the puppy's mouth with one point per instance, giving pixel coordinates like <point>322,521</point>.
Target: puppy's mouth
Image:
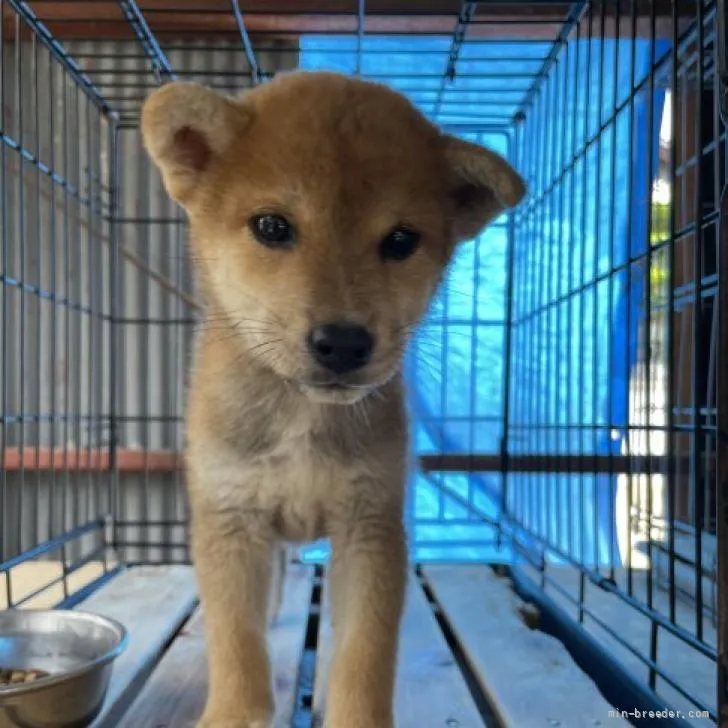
<point>335,392</point>
<point>335,386</point>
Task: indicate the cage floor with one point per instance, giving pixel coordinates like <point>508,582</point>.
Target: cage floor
<point>468,658</point>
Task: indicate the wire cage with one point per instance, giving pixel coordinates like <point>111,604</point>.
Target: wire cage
<point>568,413</point>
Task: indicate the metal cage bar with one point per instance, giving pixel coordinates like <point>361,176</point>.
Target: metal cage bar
<point>595,465</point>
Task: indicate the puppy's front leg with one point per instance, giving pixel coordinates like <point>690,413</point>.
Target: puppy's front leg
<point>368,582</point>
<point>233,559</point>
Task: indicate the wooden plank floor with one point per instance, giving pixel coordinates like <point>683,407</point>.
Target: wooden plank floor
<point>431,690</point>
<point>175,694</point>
<point>513,662</point>
<point>152,603</point>
<point>489,664</point>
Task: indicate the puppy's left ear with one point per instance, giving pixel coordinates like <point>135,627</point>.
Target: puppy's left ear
<point>186,128</point>
<point>482,185</point>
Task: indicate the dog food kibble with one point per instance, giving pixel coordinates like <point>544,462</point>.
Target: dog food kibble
<point>15,677</point>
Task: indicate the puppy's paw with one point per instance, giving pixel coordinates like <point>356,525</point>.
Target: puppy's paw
<point>210,720</point>
<point>235,715</point>
<point>233,724</point>
<point>353,722</point>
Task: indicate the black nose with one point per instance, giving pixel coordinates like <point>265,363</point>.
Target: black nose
<point>341,348</point>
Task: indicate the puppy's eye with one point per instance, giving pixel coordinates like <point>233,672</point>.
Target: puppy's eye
<point>399,244</point>
<point>272,230</point>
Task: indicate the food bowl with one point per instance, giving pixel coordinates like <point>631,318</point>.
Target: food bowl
<point>72,651</point>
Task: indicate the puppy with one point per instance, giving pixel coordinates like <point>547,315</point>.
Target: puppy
<point>323,212</point>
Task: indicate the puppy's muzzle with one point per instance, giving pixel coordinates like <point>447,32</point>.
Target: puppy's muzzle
<point>340,347</point>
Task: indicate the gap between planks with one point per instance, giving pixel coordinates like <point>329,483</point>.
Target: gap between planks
<point>174,696</point>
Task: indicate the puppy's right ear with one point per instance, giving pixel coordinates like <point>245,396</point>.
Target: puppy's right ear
<point>184,127</point>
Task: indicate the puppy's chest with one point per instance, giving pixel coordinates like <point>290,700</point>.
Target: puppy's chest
<point>300,490</point>
<point>302,477</point>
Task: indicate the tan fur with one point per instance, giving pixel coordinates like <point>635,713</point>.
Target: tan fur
<point>271,456</point>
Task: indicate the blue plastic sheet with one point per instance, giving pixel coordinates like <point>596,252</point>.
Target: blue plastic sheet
<point>455,368</point>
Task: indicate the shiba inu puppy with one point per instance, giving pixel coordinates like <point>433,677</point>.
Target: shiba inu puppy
<point>323,212</point>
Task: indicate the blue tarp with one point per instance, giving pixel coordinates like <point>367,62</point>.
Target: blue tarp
<point>455,369</point>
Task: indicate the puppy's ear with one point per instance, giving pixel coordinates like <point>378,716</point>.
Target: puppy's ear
<point>482,184</point>
<point>184,127</point>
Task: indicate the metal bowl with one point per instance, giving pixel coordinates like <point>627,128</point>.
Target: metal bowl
<point>76,649</point>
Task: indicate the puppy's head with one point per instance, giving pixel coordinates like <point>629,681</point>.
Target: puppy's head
<point>324,211</point>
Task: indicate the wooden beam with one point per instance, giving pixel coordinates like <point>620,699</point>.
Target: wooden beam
<point>185,18</point>
<point>160,461</point>
<point>94,460</point>
<point>543,9</point>
<point>589,464</point>
<point>298,7</point>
